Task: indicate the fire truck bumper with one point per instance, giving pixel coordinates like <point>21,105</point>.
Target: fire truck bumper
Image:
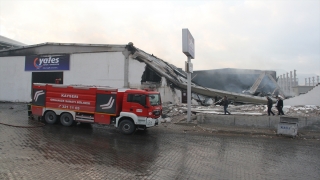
<point>152,122</point>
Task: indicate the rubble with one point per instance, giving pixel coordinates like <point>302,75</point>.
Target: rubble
<point>175,112</point>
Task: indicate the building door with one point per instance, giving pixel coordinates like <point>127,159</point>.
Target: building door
<point>47,77</point>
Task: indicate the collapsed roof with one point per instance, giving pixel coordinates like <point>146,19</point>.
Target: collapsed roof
<point>178,78</point>
<point>60,48</point>
<point>255,82</point>
<point>6,43</point>
<point>175,76</point>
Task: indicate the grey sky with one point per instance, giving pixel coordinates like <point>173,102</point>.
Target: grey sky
<point>266,35</point>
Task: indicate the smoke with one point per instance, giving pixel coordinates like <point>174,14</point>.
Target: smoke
<point>233,80</point>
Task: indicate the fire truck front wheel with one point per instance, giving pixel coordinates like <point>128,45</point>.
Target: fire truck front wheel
<point>127,127</point>
<point>50,117</point>
<point>66,119</point>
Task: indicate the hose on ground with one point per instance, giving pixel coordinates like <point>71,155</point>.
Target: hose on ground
<point>19,126</point>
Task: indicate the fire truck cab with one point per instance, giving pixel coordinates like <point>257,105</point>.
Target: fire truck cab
<point>126,109</point>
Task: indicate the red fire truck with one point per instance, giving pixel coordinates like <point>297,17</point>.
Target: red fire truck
<point>127,109</point>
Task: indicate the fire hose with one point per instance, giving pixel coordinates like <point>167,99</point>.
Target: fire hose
<point>30,117</point>
<point>20,126</point>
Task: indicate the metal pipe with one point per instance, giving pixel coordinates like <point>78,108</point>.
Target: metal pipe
<point>290,83</point>
<point>305,83</point>
<point>285,82</point>
<point>295,77</point>
<point>280,81</point>
<point>309,82</point>
<point>312,81</point>
<point>288,90</point>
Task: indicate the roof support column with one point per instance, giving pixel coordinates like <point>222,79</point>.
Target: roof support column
<point>126,54</point>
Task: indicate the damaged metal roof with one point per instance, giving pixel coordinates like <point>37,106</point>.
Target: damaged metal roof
<point>173,74</point>
<point>178,78</point>
<point>6,43</point>
<point>60,48</point>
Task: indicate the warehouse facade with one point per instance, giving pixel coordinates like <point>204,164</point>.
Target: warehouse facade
<point>119,66</point>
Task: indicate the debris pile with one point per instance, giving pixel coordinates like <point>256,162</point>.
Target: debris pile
<point>172,112</point>
<point>303,111</point>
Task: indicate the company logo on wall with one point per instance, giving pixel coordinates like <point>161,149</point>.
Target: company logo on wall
<point>47,63</point>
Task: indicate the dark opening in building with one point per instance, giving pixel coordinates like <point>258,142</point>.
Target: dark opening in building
<point>47,77</point>
<point>150,76</point>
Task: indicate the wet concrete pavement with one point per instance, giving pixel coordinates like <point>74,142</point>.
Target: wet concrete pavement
<point>169,151</point>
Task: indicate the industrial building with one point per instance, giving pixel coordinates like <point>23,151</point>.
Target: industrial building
<point>86,64</point>
<point>119,66</point>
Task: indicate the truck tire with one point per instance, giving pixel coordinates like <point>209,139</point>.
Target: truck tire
<point>50,117</point>
<point>127,127</point>
<point>66,119</point>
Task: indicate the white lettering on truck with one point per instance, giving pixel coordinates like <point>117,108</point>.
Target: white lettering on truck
<point>69,96</point>
<point>56,100</point>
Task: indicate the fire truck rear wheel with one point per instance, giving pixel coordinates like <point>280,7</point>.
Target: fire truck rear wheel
<point>66,119</point>
<point>50,117</point>
<point>127,127</point>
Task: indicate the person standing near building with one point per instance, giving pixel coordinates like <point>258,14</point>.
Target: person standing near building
<point>269,106</point>
<point>279,105</point>
<point>225,104</point>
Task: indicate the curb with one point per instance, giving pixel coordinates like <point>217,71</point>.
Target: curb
<point>236,131</point>
<point>300,135</point>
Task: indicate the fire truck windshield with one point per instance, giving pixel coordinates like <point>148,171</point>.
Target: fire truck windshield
<point>154,99</point>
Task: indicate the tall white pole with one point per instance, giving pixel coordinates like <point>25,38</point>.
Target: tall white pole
<point>189,91</point>
<point>295,78</point>
<point>305,82</point>
<point>290,83</point>
<point>312,81</point>
<point>280,82</point>
<point>284,83</point>
<point>288,90</point>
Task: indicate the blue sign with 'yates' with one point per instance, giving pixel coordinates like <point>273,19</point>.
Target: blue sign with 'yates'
<point>47,63</point>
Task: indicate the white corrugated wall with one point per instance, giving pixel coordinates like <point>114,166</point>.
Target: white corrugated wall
<point>15,83</point>
<point>105,69</point>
